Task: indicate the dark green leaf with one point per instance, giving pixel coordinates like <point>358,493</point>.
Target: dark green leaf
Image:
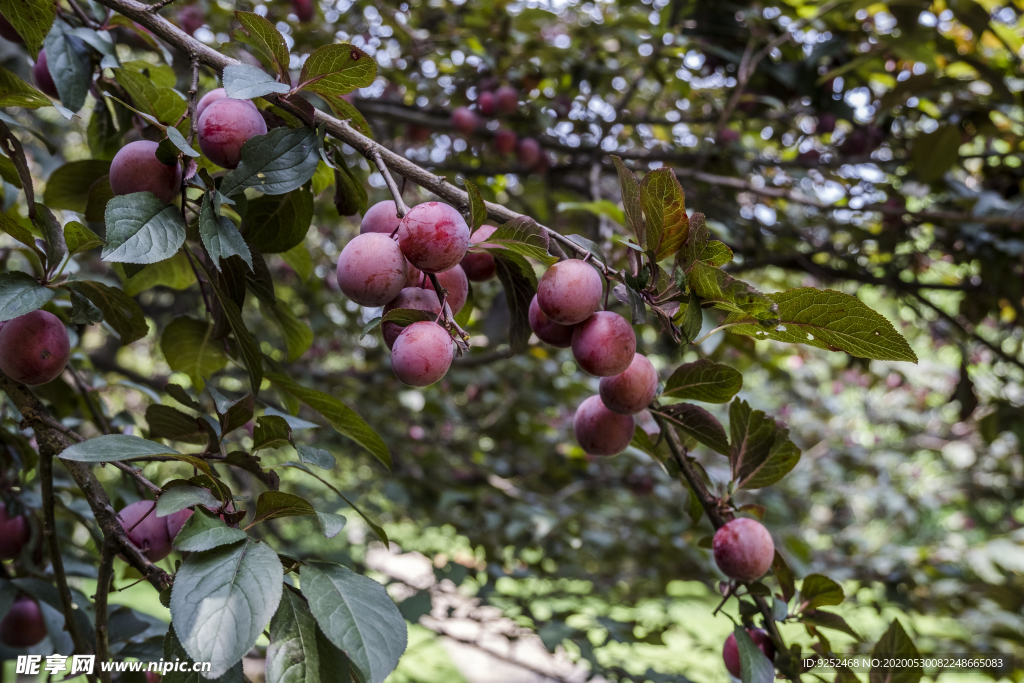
<point>784,575</point>
<point>189,347</point>
<point>754,666</point>
<point>349,194</point>
<point>524,237</point>
<point>220,236</point>
<point>331,524</point>
<point>21,293</point>
<point>163,103</point>
<point>120,311</point>
<point>276,163</point>
<point>32,20</point>
<point>761,452</point>
<point>315,456</point>
<point>68,61</point>
<point>53,237</point>
<point>631,200</point>
<point>935,153</point>
<point>828,620</point>
<point>818,591</point>
<point>520,284</point>
<point>142,229</point>
<point>264,34</point>
<point>275,504</point>
<point>174,652</point>
<point>704,380</point>
<point>15,92</point>
<point>83,311</point>
<point>477,208</point>
<point>337,70</point>
<point>170,423</point>
<point>292,655</point>
<point>276,223</point>
<point>205,530</point>
<point>700,424</point>
<point>252,358</point>
<point>114,447</point>
<point>79,238</point>
<point>693,319</point>
<point>178,498</point>
<point>68,186</point>
<point>895,644</point>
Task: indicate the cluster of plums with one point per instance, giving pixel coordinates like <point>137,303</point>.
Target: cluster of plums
<point>23,625</point>
<point>503,101</point>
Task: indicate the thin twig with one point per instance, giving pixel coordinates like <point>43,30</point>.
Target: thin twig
<point>97,414</point>
<point>137,475</point>
<point>400,208</point>
<point>104,578</point>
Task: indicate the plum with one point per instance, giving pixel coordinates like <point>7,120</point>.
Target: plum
<point>569,292</point>
<point>371,269</point>
<point>34,348</point>
<point>479,266</point>
<point>633,389</point>
<point>504,141</point>
<point>743,549</point>
<point>209,98</point>
<point>547,330</point>
<point>14,534</point>
<point>422,354</point>
<point>147,531</point>
<point>381,217</point>
<point>434,237</point>
<point>9,32</point>
<point>604,344</point>
<point>416,298</point>
<point>454,281</point>
<point>731,650</point>
<point>506,100</point>
<point>528,152</point>
<point>43,78</point>
<point>23,625</point>
<point>486,103</point>
<point>135,168</point>
<point>305,10</point>
<point>464,120</point>
<point>599,431</point>
<point>225,126</point>
<point>191,18</point>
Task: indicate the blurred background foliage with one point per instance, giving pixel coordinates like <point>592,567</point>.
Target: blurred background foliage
<point>870,147</point>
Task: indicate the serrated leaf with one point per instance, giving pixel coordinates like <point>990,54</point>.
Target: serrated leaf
<point>204,530</point>
<point>754,666</point>
<point>83,311</point>
<point>188,346</point>
<point>524,237</point>
<point>178,498</point>
<point>276,223</point>
<point>664,205</point>
<point>120,311</point>
<point>20,233</point>
<point>173,273</point>
<point>822,619</point>
<point>271,431</point>
<point>337,70</point>
<point>477,208</point>
<point>79,238</point>
<point>717,287</point>
<point>142,229</point>
<point>20,293</point>
<point>68,62</point>
<point>293,655</point>
<point>252,357</point>
<point>631,200</point>
<point>704,380</point>
<point>53,236</point>
<point>174,652</point>
<point>222,599</point>
<point>220,236</point>
<point>170,423</point>
<point>331,524</point>
<point>895,644</point>
<point>164,104</point>
<point>68,187</point>
<point>700,424</point>
<point>275,504</point>
<point>404,317</point>
<point>15,92</point>
<point>831,320</point>
<point>693,319</point>
<point>760,452</point>
<point>32,20</point>
<point>245,82</point>
<point>716,253</point>
<point>263,32</point>
<point>358,616</point>
<point>114,447</point>
<point>280,161</point>
<point>818,591</point>
<point>347,112</point>
<point>315,456</point>
<point>345,420</point>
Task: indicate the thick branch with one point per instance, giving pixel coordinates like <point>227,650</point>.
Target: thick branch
<point>103,581</point>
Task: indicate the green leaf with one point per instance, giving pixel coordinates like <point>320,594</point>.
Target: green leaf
<point>818,591</point>
<point>300,261</point>
<point>520,284</point>
<point>165,104</point>
<point>67,59</point>
<point>245,81</point>
<point>761,452</point>
<point>9,172</point>
<point>631,200</point>
<point>32,20</point>
<point>280,161</point>
<point>293,655</point>
<point>120,311</point>
<point>602,207</point>
<point>265,35</point>
<point>784,575</point>
<point>754,666</point>
<point>664,205</point>
<point>178,498</point>
<point>142,229</point>
<point>252,358</point>
<point>704,380</point>
<point>345,420</point>
<point>700,424</point>
<point>331,524</point>
<point>20,233</point>
<point>174,652</point>
<point>233,413</point>
<point>83,311</point>
<point>275,504</point>
<point>716,254</point>
<point>174,273</point>
<point>68,186</point>
<point>222,599</point>
<point>220,236</point>
<point>935,153</point>
<point>524,237</point>
<point>358,616</point>
<point>276,223</point>
<point>717,287</point>
<point>205,530</point>
<point>298,337</point>
<point>631,297</point>
<point>693,319</point>
<point>80,238</point>
<point>592,247</point>
<point>349,194</point>
<point>829,320</point>
<point>315,456</point>
<point>114,447</point>
<point>15,92</point>
<point>477,208</point>
<point>175,136</point>
<point>347,112</point>
<point>170,423</point>
<point>189,347</point>
<point>53,236</point>
<point>406,316</point>
<point>21,293</point>
<point>830,620</point>
<point>337,70</point>
<point>271,432</point>
<point>103,135</point>
<point>895,644</point>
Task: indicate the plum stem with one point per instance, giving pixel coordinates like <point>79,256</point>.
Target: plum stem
<point>400,208</point>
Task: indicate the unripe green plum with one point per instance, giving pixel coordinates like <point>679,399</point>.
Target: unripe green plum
<point>633,389</point>
<point>147,531</point>
<point>479,266</point>
<point>43,78</point>
<point>570,291</point>
<point>34,348</point>
<point>23,625</point>
<point>14,534</point>
<point>464,120</point>
<point>604,344</point>
<point>416,298</point>
<point>371,269</point>
<point>599,431</point>
<point>434,237</point>
<point>422,354</point>
<point>743,549</point>
<point>381,217</point>
<point>547,330</point>
<point>731,650</point>
<point>135,168</point>
<point>225,126</point>
<point>504,141</point>
<point>454,281</point>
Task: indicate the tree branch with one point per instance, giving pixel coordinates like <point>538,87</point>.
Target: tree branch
<point>103,580</point>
